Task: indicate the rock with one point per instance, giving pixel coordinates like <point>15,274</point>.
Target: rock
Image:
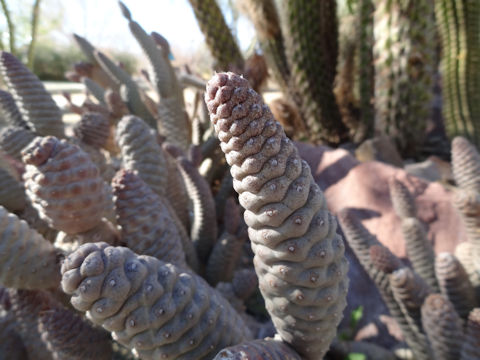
<point>347,183</point>
<point>380,148</point>
<point>426,170</point>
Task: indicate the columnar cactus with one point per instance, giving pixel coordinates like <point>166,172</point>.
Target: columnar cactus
<point>156,309</point>
<point>63,185</point>
<point>27,260</point>
<point>404,59</point>
<point>310,33</point>
<point>298,254</point>
<point>458,26</point>
<point>68,336</point>
<point>443,327</point>
<point>34,102</point>
<point>12,195</point>
<point>11,345</point>
<point>465,164</point>
<point>146,223</point>
<point>218,36</point>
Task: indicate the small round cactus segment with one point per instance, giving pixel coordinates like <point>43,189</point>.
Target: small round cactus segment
<point>299,257</point>
<point>27,260</point>
<point>158,310</point>
<point>63,184</point>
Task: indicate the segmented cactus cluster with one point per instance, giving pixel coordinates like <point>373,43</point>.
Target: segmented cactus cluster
<point>435,301</point>
<point>140,232</point>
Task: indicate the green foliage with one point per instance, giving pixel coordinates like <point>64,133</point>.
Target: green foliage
<point>356,356</point>
<point>355,317</point>
<point>51,61</point>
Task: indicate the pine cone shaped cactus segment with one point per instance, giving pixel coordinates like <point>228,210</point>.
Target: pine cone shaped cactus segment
<point>63,185</point>
<point>420,251</point>
<point>271,349</point>
<point>34,102</point>
<point>154,308</point>
<point>27,260</point>
<point>443,327</point>
<point>141,152</point>
<point>402,200</point>
<point>471,346</point>
<point>455,284</point>
<point>14,139</point>
<point>92,129</point>
<point>146,223</point>
<point>69,337</point>
<point>298,255</point>
<point>465,164</point>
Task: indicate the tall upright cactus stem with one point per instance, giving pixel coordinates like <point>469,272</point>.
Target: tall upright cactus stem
<point>36,105</point>
<point>299,257</point>
<point>402,200</point>
<point>310,33</point>
<point>365,65</point>
<point>458,26</point>
<point>12,194</point>
<point>443,327</point>
<point>13,139</point>
<point>404,62</point>
<point>156,309</point>
<point>94,89</point>
<point>218,36</point>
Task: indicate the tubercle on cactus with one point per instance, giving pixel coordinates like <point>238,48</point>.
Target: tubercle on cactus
<point>298,255</point>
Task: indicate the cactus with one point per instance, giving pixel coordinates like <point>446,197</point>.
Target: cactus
<point>92,129</point>
<point>298,255</point>
<point>27,260</point>
<point>147,226</point>
<point>404,59</point>
<point>63,185</point>
<point>129,90</point>
<point>465,165</point>
<point>11,345</point>
<point>455,284</point>
<point>35,104</point>
<point>14,139</point>
<point>30,215</point>
<point>272,349</point>
<point>203,231</point>
<point>420,250</point>
<point>152,307</point>
<point>443,327</point>
<point>458,26</point>
<point>141,152</point>
<point>218,36</point>
<point>95,89</point>
<point>402,200</point>
<point>67,336</point>
<point>471,346</point>
<point>9,111</point>
<point>12,195</point>
<point>310,33</point>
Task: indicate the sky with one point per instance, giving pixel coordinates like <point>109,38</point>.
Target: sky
<point>102,23</point>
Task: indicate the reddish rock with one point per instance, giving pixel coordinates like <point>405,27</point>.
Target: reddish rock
<point>347,183</point>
